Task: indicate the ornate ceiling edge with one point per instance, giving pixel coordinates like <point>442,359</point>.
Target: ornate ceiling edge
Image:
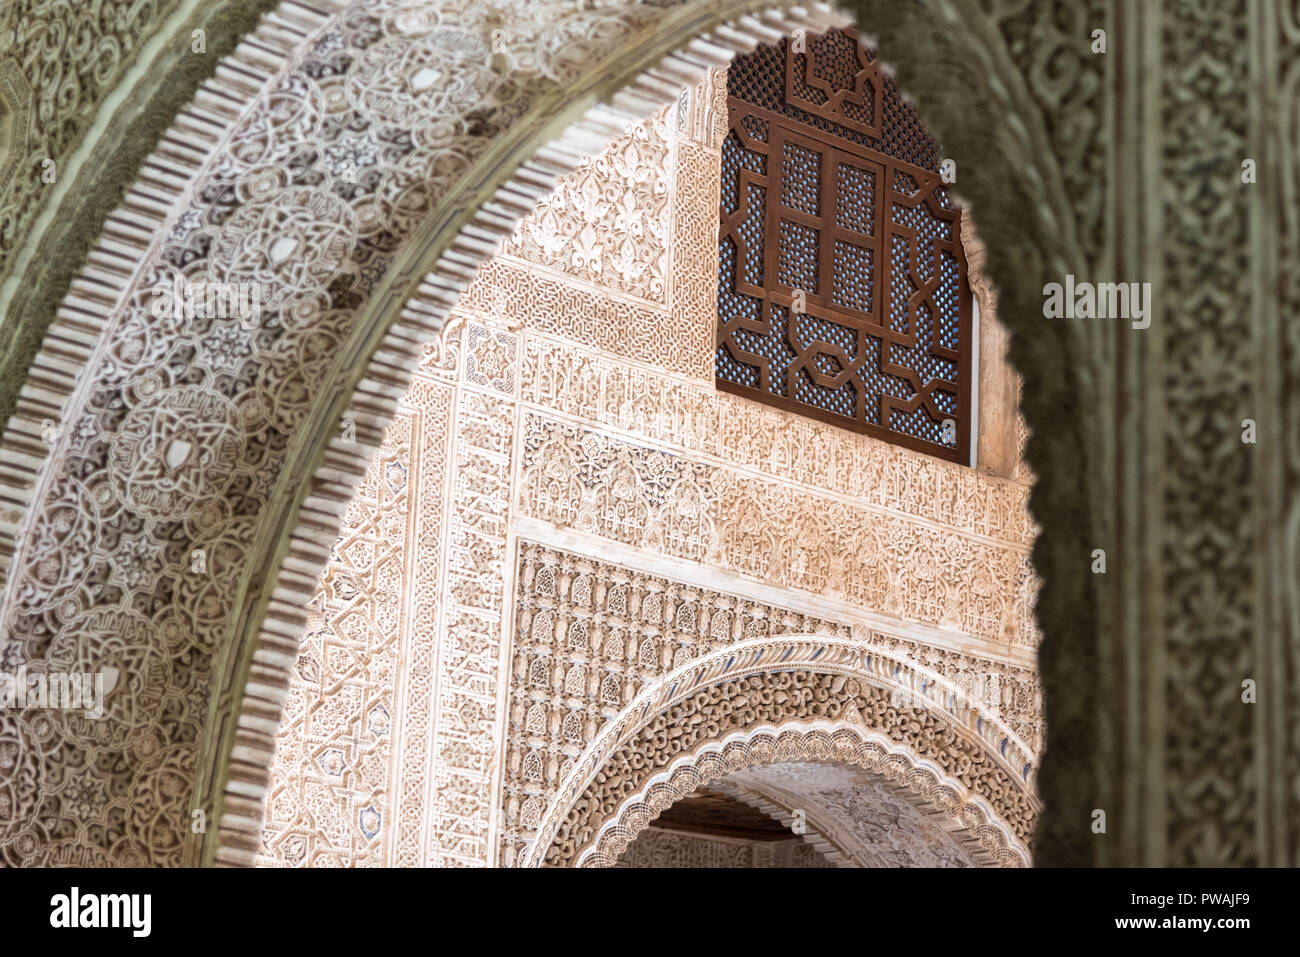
<point>802,741</point>
<point>75,340</point>
<point>61,241</point>
<point>639,78</point>
<point>915,687</point>
<point>825,828</point>
<point>819,835</point>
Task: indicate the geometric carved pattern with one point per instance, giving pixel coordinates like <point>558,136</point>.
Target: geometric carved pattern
<point>371,726</point>
<point>842,290</point>
<point>588,637</point>
<point>336,735</point>
<point>346,721</point>
<point>105,559</point>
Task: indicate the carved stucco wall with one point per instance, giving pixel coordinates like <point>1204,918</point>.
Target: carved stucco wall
<point>576,410</point>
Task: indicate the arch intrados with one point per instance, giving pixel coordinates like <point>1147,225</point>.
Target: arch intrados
<point>819,741</point>
<point>835,838</point>
<point>821,835</point>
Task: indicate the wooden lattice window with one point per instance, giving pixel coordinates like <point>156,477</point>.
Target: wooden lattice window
<point>842,288</point>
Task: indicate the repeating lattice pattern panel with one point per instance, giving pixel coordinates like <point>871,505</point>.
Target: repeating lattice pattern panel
<point>589,636</point>
<point>842,288</point>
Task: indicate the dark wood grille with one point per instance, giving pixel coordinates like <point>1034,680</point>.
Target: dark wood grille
<point>842,288</point>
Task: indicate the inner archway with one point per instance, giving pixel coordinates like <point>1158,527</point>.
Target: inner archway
<point>804,814</point>
<point>714,827</point>
<point>793,699</point>
<point>857,797</point>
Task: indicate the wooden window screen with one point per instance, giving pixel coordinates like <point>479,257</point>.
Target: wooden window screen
<point>831,200</point>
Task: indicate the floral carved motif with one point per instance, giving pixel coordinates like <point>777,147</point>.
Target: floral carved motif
<point>609,221</point>
<point>668,502</point>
